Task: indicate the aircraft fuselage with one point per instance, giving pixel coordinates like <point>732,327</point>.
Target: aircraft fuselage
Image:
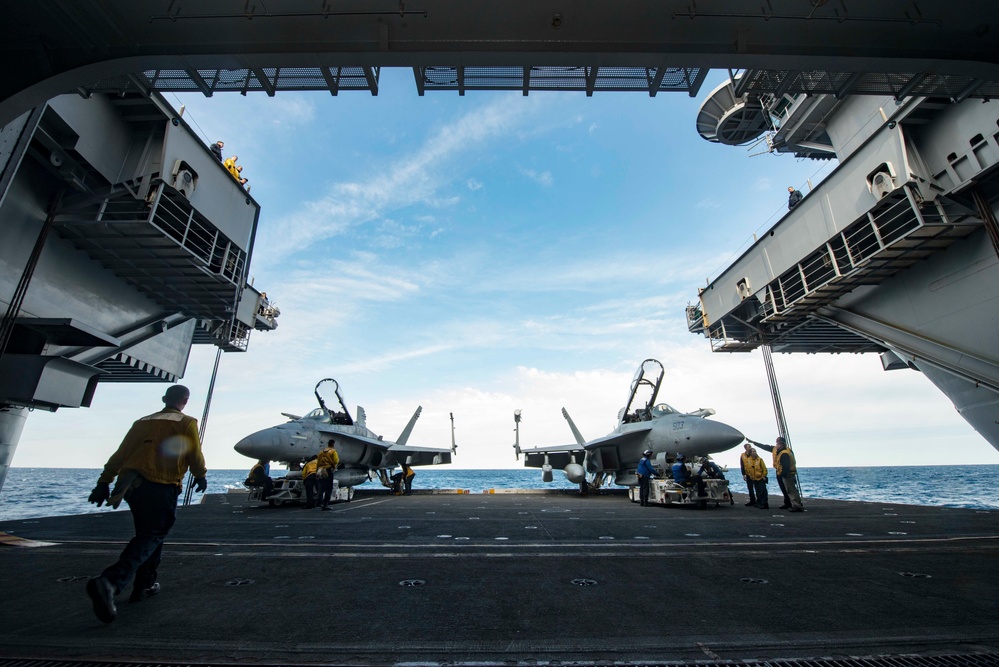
<point>296,441</point>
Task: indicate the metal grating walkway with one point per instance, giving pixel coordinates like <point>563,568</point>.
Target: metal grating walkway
<point>650,79</point>
<point>164,248</point>
<point>896,234</point>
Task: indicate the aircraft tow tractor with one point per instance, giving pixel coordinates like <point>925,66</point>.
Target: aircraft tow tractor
<point>290,490</point>
<point>665,491</point>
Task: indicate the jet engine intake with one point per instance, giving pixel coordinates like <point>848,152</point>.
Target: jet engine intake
<point>574,473</point>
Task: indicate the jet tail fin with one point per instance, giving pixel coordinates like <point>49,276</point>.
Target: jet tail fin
<point>404,436</point>
<point>580,440</point>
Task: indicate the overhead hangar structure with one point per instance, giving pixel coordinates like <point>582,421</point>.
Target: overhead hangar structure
<point>895,252</point>
<point>897,47</point>
<point>125,243</point>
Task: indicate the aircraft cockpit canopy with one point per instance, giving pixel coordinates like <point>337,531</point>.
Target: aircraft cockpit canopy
<point>318,415</point>
<point>338,412</point>
<point>643,392</point>
<point>648,414</point>
<point>662,410</point>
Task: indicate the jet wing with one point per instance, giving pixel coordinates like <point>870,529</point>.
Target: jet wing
<point>559,456</point>
<point>606,450</point>
<point>361,448</point>
<point>344,440</point>
<point>420,456</point>
<point>629,437</point>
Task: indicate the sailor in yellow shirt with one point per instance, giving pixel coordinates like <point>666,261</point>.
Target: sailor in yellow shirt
<point>755,470</point>
<point>309,480</point>
<point>407,477</point>
<point>230,166</point>
<point>743,460</point>
<point>786,471</point>
<point>328,461</point>
<point>150,464</point>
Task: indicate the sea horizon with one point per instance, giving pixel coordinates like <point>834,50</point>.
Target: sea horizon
<point>31,493</point>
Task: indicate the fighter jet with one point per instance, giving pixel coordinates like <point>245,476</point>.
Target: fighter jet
<point>642,424</point>
<point>363,454</point>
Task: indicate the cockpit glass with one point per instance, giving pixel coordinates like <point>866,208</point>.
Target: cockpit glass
<point>643,390</point>
<point>318,414</point>
<point>663,409</point>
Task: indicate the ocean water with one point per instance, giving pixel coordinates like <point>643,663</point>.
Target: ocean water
<point>38,492</point>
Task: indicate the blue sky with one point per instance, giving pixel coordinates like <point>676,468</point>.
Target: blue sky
<point>491,252</point>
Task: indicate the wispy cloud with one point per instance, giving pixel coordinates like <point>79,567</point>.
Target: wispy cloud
<point>413,178</point>
<point>392,234</point>
<point>542,178</point>
<point>292,111</point>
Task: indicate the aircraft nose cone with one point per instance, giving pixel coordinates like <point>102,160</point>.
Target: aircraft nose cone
<point>721,436</point>
<point>258,444</point>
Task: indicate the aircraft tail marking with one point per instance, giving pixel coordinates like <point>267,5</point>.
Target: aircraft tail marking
<point>580,440</point>
<point>404,436</point>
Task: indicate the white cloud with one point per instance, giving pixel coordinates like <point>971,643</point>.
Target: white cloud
<point>542,178</point>
<point>292,111</point>
<point>473,184</point>
<point>412,178</point>
<point>391,234</point>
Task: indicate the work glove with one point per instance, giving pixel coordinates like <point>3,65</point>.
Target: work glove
<point>100,494</point>
<point>200,484</point>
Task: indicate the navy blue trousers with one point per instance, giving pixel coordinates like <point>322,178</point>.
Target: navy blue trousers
<point>762,497</point>
<point>644,486</point>
<point>154,511</point>
<point>326,488</point>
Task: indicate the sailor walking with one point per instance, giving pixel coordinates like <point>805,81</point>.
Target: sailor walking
<point>150,463</point>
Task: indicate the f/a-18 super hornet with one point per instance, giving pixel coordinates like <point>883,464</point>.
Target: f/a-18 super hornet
<point>363,454</point>
<point>642,425</point>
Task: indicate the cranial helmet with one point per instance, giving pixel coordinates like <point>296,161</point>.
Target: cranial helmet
<point>680,456</point>
<point>647,452</point>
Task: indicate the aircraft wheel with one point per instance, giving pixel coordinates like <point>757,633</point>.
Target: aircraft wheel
<point>276,503</point>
